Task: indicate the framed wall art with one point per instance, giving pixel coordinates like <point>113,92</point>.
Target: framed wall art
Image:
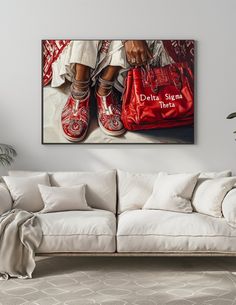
<point>117,91</point>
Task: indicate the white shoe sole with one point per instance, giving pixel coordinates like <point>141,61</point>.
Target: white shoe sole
<point>111,133</point>
<point>73,139</point>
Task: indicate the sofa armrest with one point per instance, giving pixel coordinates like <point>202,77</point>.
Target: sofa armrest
<point>5,199</point>
<point>229,207</point>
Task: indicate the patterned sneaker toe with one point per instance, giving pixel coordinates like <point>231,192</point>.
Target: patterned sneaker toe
<point>75,119</point>
<point>109,115</point>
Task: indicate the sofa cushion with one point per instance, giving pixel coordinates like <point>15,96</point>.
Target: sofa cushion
<point>134,189</point>
<point>78,231</point>
<point>5,199</point>
<point>209,194</point>
<point>213,175</point>
<point>61,198</point>
<point>25,192</point>
<point>156,230</point>
<point>101,185</point>
<point>172,193</point>
<point>229,207</point>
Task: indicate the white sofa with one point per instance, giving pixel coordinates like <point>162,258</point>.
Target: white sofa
<point>117,224</point>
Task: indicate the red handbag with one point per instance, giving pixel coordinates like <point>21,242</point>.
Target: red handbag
<point>158,97</point>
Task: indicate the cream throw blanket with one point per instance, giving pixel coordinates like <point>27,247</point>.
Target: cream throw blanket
<point>20,235</point>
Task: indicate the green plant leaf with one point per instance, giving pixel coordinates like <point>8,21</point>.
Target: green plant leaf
<point>4,160</point>
<point>231,115</point>
<point>7,154</point>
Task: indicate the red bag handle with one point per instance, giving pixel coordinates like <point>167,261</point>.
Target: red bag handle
<point>150,79</point>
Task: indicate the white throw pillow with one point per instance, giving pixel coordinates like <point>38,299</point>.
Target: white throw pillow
<point>172,193</point>
<point>134,189</point>
<point>209,194</point>
<point>229,207</point>
<point>5,199</point>
<point>25,192</point>
<point>58,199</point>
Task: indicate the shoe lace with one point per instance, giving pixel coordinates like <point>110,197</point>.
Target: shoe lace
<point>75,107</point>
<point>108,85</point>
<point>108,109</point>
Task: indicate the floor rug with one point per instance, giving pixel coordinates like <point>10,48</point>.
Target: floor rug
<point>125,281</point>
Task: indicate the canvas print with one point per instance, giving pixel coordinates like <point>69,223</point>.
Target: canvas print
<point>118,91</point>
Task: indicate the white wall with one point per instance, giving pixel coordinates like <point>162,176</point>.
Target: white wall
<point>211,22</point>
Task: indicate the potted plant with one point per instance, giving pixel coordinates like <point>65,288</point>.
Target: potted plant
<point>231,116</point>
<point>7,154</point>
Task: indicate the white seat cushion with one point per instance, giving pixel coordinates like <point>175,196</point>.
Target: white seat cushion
<point>153,231</point>
<point>78,231</point>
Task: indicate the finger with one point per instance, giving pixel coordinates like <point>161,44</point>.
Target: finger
<point>133,58</point>
<point>129,59</point>
<point>144,58</point>
<point>132,61</point>
<point>138,59</point>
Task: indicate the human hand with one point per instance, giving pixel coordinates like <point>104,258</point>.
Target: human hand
<point>137,52</point>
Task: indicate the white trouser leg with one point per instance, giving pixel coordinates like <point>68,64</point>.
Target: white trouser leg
<point>84,52</point>
<point>77,52</point>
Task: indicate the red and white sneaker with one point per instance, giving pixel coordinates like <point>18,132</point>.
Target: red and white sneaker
<point>75,118</point>
<point>109,114</point>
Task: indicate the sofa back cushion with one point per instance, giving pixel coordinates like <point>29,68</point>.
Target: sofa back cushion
<point>5,199</point>
<point>134,189</point>
<point>25,193</point>
<point>209,194</point>
<point>213,175</point>
<point>229,207</point>
<point>100,186</point>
